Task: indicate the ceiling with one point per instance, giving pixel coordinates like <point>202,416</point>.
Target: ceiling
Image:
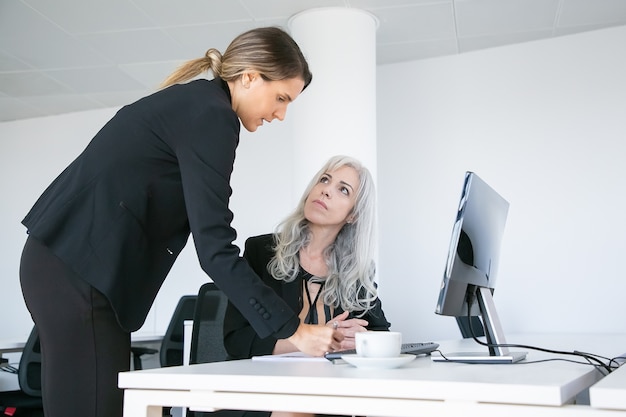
<point>72,55</point>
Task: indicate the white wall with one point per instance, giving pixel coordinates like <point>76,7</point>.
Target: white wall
<point>545,124</point>
<point>542,122</point>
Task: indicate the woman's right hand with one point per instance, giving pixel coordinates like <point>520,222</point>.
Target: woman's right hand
<point>316,340</point>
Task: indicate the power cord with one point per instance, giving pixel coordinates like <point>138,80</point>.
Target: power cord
<point>592,359</point>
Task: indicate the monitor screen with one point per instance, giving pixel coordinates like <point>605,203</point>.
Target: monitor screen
<point>471,268</point>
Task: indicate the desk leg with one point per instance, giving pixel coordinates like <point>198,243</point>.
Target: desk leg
<point>137,404</point>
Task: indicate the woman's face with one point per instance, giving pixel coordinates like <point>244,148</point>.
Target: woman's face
<point>256,100</point>
<point>332,199</point>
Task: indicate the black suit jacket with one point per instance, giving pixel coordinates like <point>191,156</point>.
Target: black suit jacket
<point>240,339</point>
<point>120,214</point>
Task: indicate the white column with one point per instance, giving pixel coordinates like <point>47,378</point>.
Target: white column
<point>336,114</point>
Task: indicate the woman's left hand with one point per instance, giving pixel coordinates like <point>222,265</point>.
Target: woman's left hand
<point>347,327</point>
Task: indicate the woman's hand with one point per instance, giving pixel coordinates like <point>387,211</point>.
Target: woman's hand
<point>316,340</point>
<point>348,328</point>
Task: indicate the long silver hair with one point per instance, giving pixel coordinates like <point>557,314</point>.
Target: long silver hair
<point>350,259</point>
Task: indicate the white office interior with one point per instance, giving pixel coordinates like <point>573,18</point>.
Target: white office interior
<point>543,122</point>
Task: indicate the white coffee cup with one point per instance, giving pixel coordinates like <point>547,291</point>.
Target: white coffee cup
<point>378,344</point>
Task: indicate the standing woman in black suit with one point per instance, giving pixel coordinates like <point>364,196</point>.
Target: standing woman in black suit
<point>104,235</point>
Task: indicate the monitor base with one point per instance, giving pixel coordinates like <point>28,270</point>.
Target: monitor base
<point>479,357</point>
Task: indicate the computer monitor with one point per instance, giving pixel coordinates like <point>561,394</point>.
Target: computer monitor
<point>471,268</point>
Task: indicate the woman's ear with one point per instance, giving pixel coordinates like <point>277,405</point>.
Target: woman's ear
<point>248,77</point>
<point>245,80</point>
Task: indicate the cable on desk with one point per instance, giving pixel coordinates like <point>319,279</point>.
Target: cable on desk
<point>592,359</point>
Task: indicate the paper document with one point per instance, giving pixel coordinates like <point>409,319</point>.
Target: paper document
<point>291,356</point>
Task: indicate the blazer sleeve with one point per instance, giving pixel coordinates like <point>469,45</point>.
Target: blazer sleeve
<point>376,317</point>
<point>206,165</point>
<point>240,339</point>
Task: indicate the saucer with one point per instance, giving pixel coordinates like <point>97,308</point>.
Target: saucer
<point>378,363</point>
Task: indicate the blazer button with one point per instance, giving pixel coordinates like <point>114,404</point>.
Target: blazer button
<point>252,301</point>
<point>266,316</point>
<point>257,306</point>
<point>262,310</point>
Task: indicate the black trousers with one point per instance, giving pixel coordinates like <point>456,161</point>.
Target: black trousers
<point>82,344</point>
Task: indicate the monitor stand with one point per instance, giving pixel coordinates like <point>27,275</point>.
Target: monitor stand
<point>494,334</point>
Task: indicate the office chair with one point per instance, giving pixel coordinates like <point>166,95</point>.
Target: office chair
<point>171,349</point>
<point>207,338</point>
<point>27,401</point>
<point>171,353</point>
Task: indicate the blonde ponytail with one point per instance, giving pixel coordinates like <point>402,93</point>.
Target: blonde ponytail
<point>270,51</point>
<point>212,61</point>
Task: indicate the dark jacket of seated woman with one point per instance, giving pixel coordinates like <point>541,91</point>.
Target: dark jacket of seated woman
<point>240,339</point>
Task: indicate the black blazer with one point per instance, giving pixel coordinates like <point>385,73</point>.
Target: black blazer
<point>121,213</point>
<point>240,339</point>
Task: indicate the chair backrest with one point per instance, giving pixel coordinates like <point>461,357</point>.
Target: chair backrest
<point>207,340</point>
<point>171,351</point>
<point>29,371</point>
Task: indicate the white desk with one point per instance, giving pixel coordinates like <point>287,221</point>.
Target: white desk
<point>17,344</point>
<point>422,388</point>
<point>9,382</point>
<point>12,345</point>
<point>611,391</point>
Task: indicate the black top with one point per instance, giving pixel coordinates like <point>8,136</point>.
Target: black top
<point>240,339</point>
<point>120,214</point>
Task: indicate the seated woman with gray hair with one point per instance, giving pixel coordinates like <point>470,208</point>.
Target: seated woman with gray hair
<point>320,261</point>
